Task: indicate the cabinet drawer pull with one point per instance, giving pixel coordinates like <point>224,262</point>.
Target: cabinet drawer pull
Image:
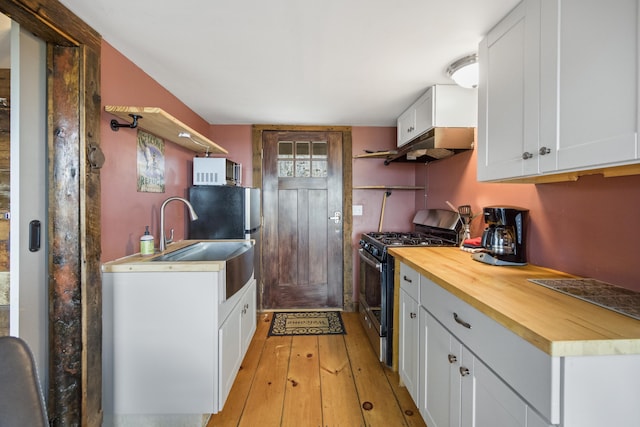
<point>464,371</point>
<point>452,358</point>
<point>406,279</point>
<point>460,321</point>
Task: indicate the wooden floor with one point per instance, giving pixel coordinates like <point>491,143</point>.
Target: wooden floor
<point>306,381</point>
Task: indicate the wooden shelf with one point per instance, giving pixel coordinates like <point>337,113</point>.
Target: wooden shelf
<point>160,123</point>
<point>376,155</point>
<point>386,187</point>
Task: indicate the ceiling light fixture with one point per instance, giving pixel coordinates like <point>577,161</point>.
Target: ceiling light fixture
<point>464,71</point>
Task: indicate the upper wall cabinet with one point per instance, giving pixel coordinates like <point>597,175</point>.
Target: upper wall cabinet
<point>443,106</point>
<point>558,92</point>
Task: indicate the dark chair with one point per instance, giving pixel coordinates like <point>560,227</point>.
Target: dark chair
<point>21,399</point>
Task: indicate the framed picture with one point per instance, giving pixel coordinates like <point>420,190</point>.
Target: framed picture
<point>150,163</point>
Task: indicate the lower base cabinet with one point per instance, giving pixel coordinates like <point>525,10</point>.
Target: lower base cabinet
<point>470,371</point>
<point>408,363</point>
<point>171,347</point>
<point>457,389</point>
<point>234,338</point>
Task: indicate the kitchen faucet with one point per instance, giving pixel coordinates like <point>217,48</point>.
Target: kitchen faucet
<point>163,240</point>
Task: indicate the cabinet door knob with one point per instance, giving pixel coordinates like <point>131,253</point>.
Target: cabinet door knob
<point>526,155</point>
<point>544,150</point>
<point>464,371</point>
<point>459,321</point>
<point>412,315</point>
<point>452,358</point>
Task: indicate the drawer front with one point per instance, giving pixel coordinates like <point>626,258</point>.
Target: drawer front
<point>410,281</point>
<point>529,371</point>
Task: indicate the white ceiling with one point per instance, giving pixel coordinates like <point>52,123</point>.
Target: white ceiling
<point>316,62</point>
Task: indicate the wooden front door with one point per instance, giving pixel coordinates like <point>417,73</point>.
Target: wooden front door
<point>302,208</point>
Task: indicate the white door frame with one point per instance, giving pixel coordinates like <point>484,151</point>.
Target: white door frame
<point>29,307</point>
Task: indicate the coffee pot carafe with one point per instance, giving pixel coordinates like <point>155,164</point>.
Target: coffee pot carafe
<point>504,238</point>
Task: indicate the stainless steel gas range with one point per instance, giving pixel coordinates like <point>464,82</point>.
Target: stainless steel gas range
<point>433,227</point>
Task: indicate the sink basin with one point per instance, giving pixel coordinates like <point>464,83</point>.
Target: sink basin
<point>217,250</point>
<point>237,255</point>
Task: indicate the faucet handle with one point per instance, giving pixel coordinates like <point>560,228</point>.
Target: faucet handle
<point>170,239</point>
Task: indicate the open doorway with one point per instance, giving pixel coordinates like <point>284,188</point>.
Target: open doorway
<point>23,184</point>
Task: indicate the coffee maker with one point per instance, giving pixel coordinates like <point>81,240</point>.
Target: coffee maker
<point>504,238</point>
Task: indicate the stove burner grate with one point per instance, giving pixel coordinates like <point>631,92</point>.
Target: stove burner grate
<point>409,239</point>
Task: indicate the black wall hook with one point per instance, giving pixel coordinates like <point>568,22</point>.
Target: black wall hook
<point>115,125</point>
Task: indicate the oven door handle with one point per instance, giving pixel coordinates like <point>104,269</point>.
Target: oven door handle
<point>364,256</point>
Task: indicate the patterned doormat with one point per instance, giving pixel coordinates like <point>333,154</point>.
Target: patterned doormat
<point>307,323</point>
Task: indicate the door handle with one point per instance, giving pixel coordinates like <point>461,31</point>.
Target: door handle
<point>34,235</point>
<point>337,215</point>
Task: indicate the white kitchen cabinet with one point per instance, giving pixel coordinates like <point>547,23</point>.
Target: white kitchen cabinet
<point>549,99</point>
<point>408,330</point>
<point>408,363</point>
<point>248,318</point>
<point>508,94</point>
<point>500,349</point>
<point>589,110</point>
<point>406,126</point>
<point>437,379</point>
<point>234,337</point>
<point>229,340</point>
<point>440,106</point>
<point>459,390</point>
<point>170,344</point>
<point>469,369</point>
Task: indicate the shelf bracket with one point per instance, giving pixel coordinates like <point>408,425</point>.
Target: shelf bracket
<point>115,126</point>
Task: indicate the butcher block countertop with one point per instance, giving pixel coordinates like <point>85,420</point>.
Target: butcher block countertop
<point>558,324</point>
<point>140,263</point>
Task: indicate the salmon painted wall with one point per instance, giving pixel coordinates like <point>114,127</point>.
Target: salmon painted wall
<point>400,205</point>
<point>125,211</point>
<point>587,228</point>
<point>236,139</point>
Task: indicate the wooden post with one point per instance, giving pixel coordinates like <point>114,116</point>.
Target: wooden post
<point>75,290</point>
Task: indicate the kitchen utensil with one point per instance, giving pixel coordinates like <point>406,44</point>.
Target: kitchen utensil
<point>384,204</point>
<point>465,214</point>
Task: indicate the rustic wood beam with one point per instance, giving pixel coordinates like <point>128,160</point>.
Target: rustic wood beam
<point>52,22</point>
<point>65,296</point>
<point>90,239</point>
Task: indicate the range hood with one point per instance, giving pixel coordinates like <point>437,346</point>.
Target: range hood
<point>436,143</point>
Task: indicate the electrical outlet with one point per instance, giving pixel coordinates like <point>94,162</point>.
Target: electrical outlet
<point>357,210</point>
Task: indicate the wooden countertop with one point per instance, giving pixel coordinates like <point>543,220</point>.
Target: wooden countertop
<point>558,324</point>
<point>142,263</point>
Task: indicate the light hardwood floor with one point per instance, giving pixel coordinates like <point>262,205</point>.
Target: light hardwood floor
<point>307,381</point>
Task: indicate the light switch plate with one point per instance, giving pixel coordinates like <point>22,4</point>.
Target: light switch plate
<point>357,210</point>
